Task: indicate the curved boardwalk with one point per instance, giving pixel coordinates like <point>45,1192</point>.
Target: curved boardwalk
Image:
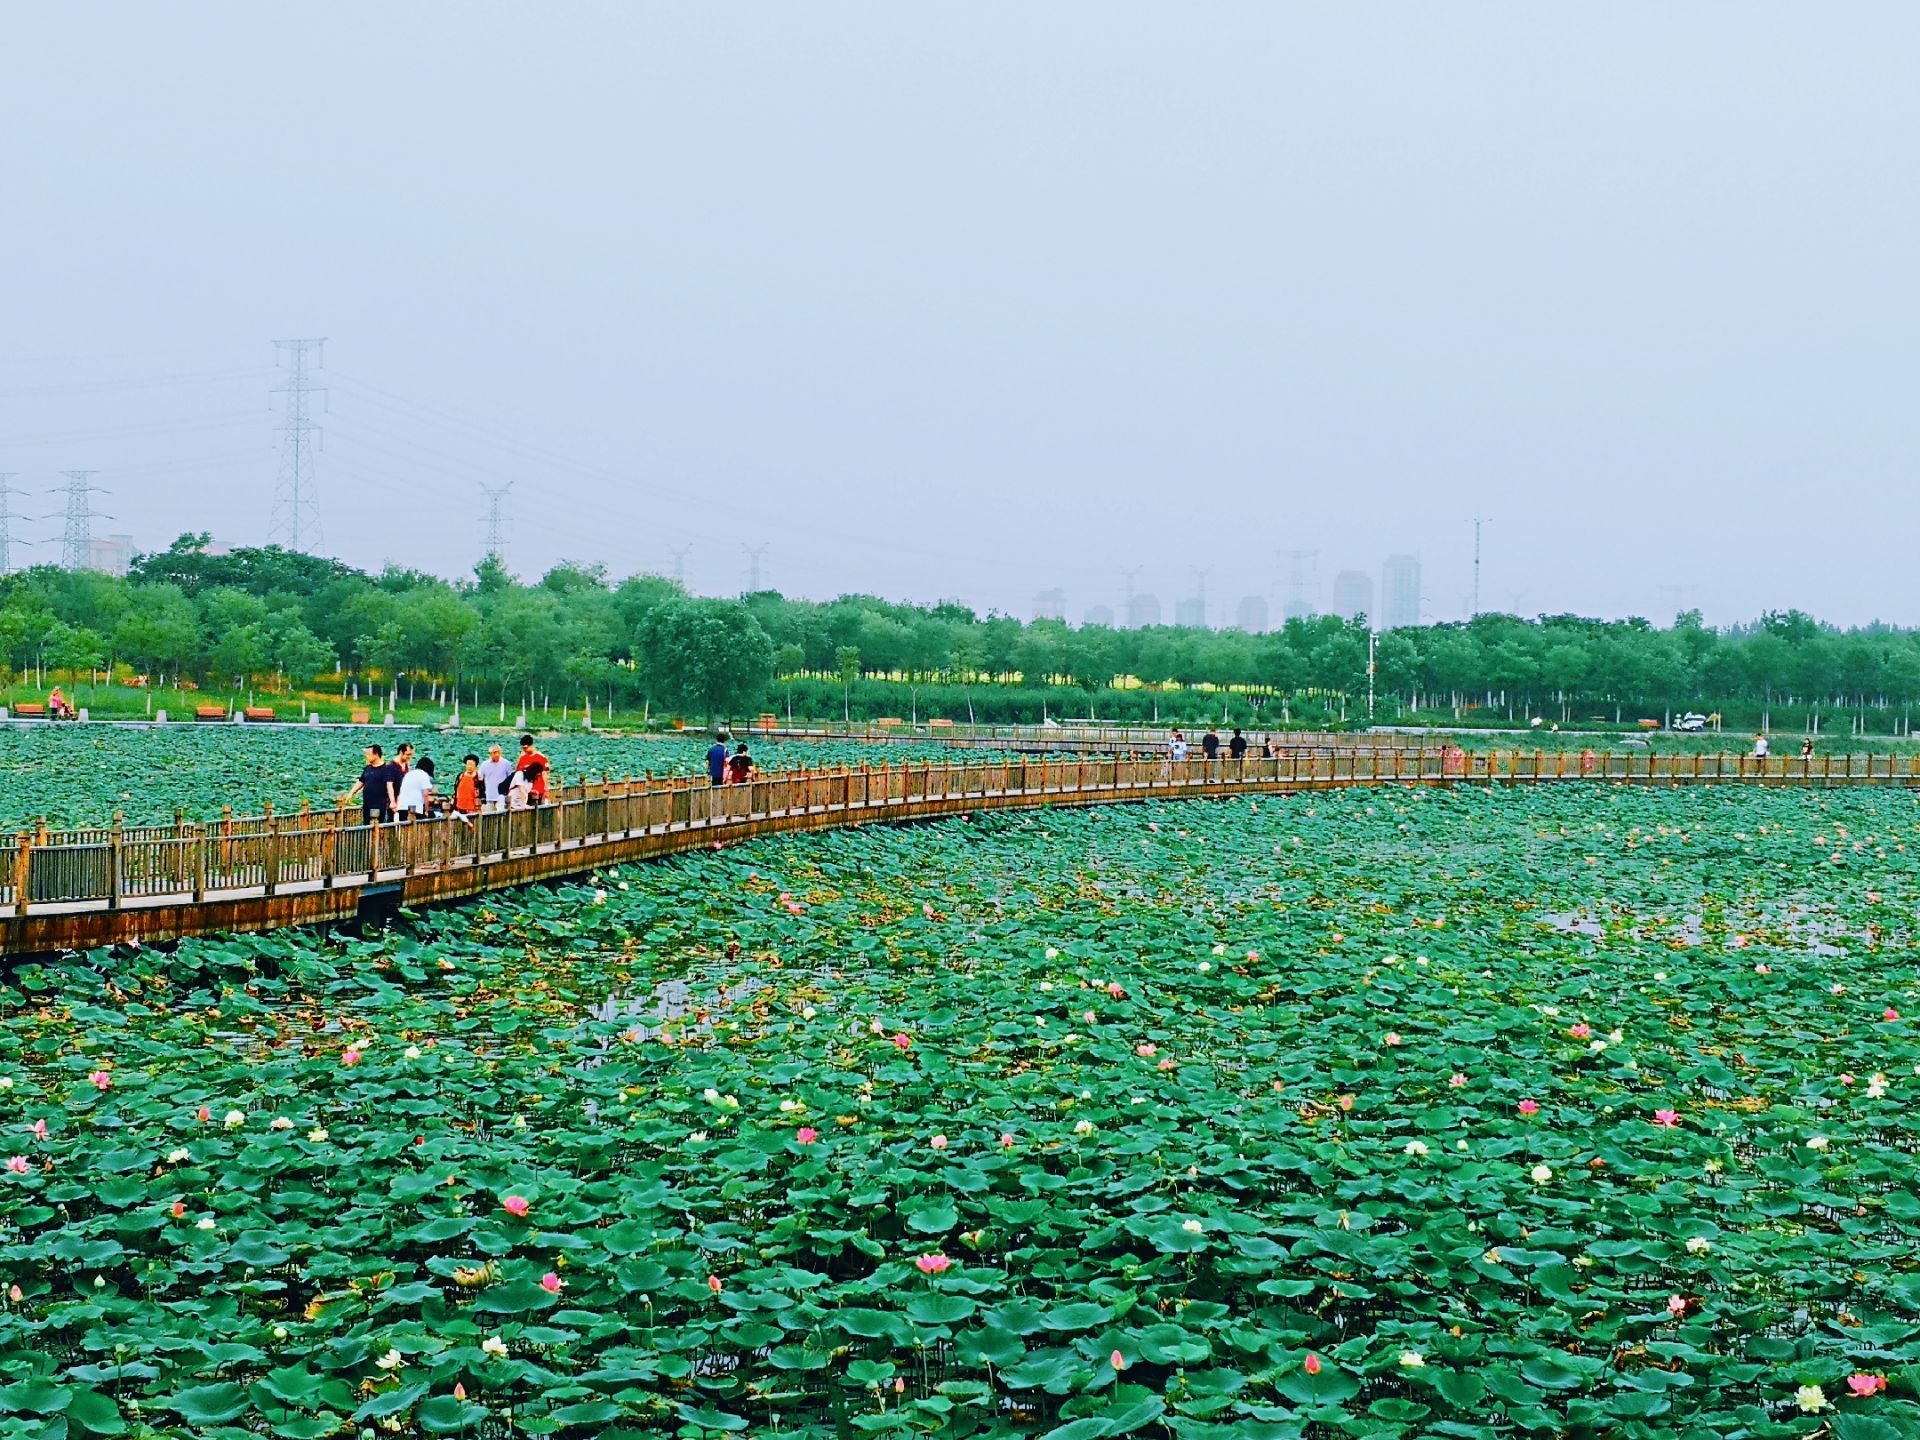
<point>76,889</point>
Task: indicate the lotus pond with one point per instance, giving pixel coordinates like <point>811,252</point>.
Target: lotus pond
<point>1550,1112</point>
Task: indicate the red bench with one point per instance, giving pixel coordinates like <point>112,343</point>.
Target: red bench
<point>258,712</point>
<point>210,712</point>
<point>31,709</point>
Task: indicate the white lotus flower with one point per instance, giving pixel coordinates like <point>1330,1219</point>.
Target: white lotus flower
<point>317,1135</point>
<point>1540,1174</point>
<point>178,1157</point>
<point>392,1360</point>
<point>1193,1227</point>
<point>1417,1148</point>
<point>1412,1359</point>
<point>1810,1398</point>
<point>235,1119</point>
<point>494,1345</point>
<point>1698,1244</point>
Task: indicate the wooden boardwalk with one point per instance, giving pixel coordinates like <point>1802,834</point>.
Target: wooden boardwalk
<point>115,885</point>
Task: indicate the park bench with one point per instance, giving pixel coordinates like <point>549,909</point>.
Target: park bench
<point>259,712</point>
<point>210,712</point>
<point>31,710</point>
<point>360,717</point>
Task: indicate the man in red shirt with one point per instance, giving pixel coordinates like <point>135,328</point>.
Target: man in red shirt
<point>541,768</point>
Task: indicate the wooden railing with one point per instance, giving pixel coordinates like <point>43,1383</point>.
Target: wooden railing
<point>1067,735</point>
<point>75,888</point>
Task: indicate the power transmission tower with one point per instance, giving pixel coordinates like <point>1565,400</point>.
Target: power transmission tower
<point>296,498</point>
<point>680,564</point>
<point>755,554</point>
<point>1478,521</point>
<point>76,546</point>
<point>7,542</point>
<point>1677,596</point>
<point>496,521</point>
<point>1302,589</point>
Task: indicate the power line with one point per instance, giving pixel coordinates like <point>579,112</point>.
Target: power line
<point>496,522</point>
<point>76,546</point>
<point>296,498</point>
<point>146,382</point>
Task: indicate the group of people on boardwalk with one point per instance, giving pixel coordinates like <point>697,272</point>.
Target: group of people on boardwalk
<point>404,789</point>
<point>725,769</point>
<point>1211,745</point>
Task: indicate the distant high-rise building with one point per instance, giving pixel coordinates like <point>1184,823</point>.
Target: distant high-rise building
<point>1252,615</point>
<point>1190,613</point>
<point>1399,592</point>
<point>1099,615</point>
<point>1353,595</point>
<point>1143,610</point>
<point>1050,604</point>
<point>110,554</point>
<point>1299,609</point>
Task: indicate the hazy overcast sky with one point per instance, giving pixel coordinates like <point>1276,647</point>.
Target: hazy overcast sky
<point>975,300</point>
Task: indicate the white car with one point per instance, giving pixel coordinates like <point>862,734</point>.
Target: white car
<point>1691,722</point>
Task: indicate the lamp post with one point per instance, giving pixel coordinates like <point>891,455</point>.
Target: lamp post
<point>1373,637</point>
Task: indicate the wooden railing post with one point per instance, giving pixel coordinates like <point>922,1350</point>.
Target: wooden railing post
<point>330,845</point>
<point>270,866</point>
<point>199,841</point>
<point>23,874</point>
<point>115,856</point>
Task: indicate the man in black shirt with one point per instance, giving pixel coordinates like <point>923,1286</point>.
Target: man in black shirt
<point>1210,742</point>
<point>378,787</point>
<point>1237,747</point>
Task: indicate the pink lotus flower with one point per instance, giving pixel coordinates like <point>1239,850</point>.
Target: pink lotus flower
<point>18,1165</point>
<point>1582,1031</point>
<point>903,1042</point>
<point>1392,1038</point>
<point>552,1283</point>
<point>459,1391</point>
<point>1117,1360</point>
<point>1149,1051</point>
<point>15,1294</point>
<point>1846,1077</point>
<point>1086,1017</point>
<point>939,1142</point>
<point>935,1264</point>
<point>1667,1118</point>
<point>1114,989</point>
<point>1676,1305</point>
<point>178,1209</point>
<point>350,1057</point>
<point>101,1079</point>
<point>1890,1014</point>
<point>1763,969</point>
<point>1458,1081</point>
<point>1873,897</point>
<point>39,1129</point>
<point>1006,1141</point>
<point>1168,1062</point>
<point>713,1283</point>
<point>1311,1364</point>
<point>806,1135</point>
<point>1864,1385</point>
<point>515,1205</point>
<point>1529,1107</point>
<point>926,909</point>
<point>203,1114</point>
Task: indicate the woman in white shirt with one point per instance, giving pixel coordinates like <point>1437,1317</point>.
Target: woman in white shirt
<point>519,791</point>
<point>416,791</point>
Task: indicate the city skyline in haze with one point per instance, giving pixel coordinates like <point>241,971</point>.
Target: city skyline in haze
<point>978,303</point>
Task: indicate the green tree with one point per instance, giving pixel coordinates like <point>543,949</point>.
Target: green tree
<point>709,654</point>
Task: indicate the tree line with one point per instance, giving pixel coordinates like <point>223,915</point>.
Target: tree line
<point>276,619</point>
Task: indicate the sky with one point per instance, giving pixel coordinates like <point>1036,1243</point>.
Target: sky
<point>973,301</point>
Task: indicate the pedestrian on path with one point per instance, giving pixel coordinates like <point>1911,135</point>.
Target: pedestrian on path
<point>416,792</point>
<point>466,787</point>
<point>536,767</point>
<point>377,789</point>
<point>717,760</point>
<point>495,772</point>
